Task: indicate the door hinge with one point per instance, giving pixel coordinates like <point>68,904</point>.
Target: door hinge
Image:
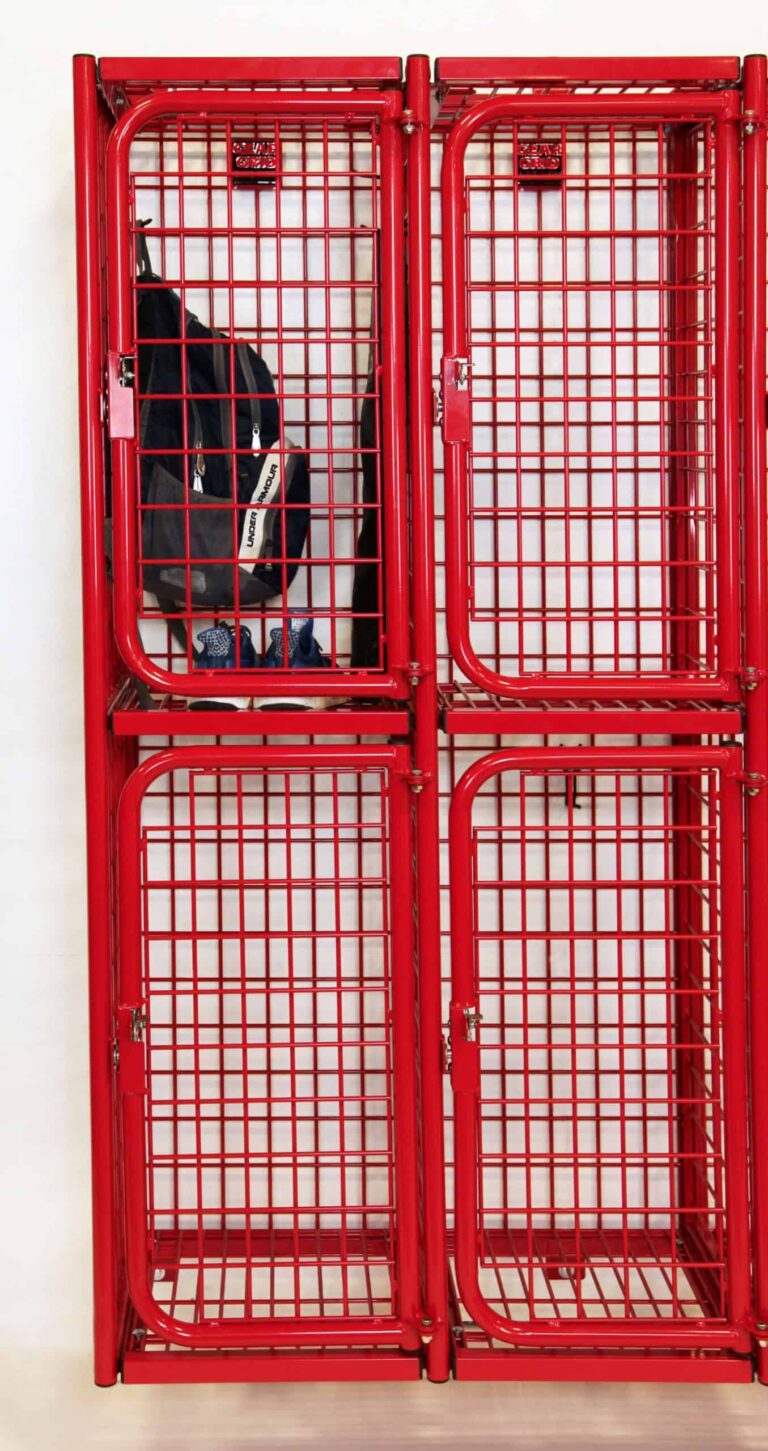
<point>751,676</point>
<point>752,781</point>
<point>121,380</point>
<point>417,779</point>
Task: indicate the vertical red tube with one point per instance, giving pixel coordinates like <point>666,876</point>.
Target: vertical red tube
<point>684,644</point>
<point>96,658</point>
<point>756,662</point>
<point>734,1030</point>
<point>404,1045</point>
<point>726,364</point>
<point>426,712</point>
<point>393,362</point>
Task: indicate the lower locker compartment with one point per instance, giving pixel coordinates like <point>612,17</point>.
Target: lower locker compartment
<point>267,1065</point>
<point>599,1065</point>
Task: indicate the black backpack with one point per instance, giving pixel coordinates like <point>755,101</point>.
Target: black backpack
<point>265,538</point>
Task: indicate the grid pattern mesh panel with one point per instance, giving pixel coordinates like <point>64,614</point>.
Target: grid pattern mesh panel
<point>290,268</point>
<point>269,1065</point>
<point>598,968</point>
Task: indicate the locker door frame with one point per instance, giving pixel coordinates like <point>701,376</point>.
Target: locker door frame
<point>387,108</point>
<point>403,1330</point>
<point>722,108</point>
<point>465,1067</point>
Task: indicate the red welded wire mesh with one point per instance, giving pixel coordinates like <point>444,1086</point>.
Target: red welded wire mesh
<point>267,978</point>
<point>600,1111</point>
<point>293,270</point>
<point>590,334</point>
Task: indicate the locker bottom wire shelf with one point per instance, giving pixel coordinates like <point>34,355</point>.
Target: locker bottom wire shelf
<point>596,911</point>
<point>267,983</point>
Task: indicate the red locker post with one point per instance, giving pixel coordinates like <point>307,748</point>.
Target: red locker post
<point>756,657</point>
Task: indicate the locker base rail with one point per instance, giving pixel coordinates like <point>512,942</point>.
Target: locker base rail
<point>489,1364</point>
<point>143,1367</point>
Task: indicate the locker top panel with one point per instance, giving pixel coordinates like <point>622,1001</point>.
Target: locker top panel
<point>136,75</point>
<point>603,72</point>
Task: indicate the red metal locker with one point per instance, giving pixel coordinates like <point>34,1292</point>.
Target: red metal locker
<point>333,1287</point>
<point>271,1151</point>
<point>502,656</point>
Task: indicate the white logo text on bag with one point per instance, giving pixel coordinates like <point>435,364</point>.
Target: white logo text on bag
<point>267,491</point>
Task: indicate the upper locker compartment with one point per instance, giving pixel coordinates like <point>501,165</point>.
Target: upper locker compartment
<point>256,374</point>
<point>590,377</point>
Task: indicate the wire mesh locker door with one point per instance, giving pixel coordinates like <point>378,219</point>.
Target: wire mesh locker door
<point>590,394</point>
<point>280,494</point>
<point>598,1042</point>
<point>265,1045</point>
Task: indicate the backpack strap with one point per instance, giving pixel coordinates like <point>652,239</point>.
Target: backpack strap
<point>177,626</point>
<point>142,250</point>
<point>220,372</point>
<point>244,354</point>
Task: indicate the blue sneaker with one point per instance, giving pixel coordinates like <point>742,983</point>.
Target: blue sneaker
<point>219,649</point>
<point>218,652</point>
<point>302,653</point>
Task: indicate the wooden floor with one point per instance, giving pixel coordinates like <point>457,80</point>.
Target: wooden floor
<point>49,1405</point>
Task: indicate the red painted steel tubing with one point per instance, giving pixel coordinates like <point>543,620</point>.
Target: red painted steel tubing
<point>393,362</point>
<point>756,647</point>
<point>727,463</point>
<point>95,657</point>
<point>404,1045</point>
<point>619,1333</point>
<point>250,70</point>
<point>612,70</point>
<point>387,107</point>
<point>402,1330</point>
<point>690,106</point>
<point>426,712</point>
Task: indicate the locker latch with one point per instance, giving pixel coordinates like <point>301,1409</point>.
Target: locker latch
<point>127,370</point>
<point>455,398</point>
<point>138,1024</point>
<point>130,1058</point>
<point>121,378</point>
<point>463,1046</point>
<point>473,1019</point>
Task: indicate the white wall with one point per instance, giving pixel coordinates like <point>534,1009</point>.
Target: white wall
<point>44,1202</point>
